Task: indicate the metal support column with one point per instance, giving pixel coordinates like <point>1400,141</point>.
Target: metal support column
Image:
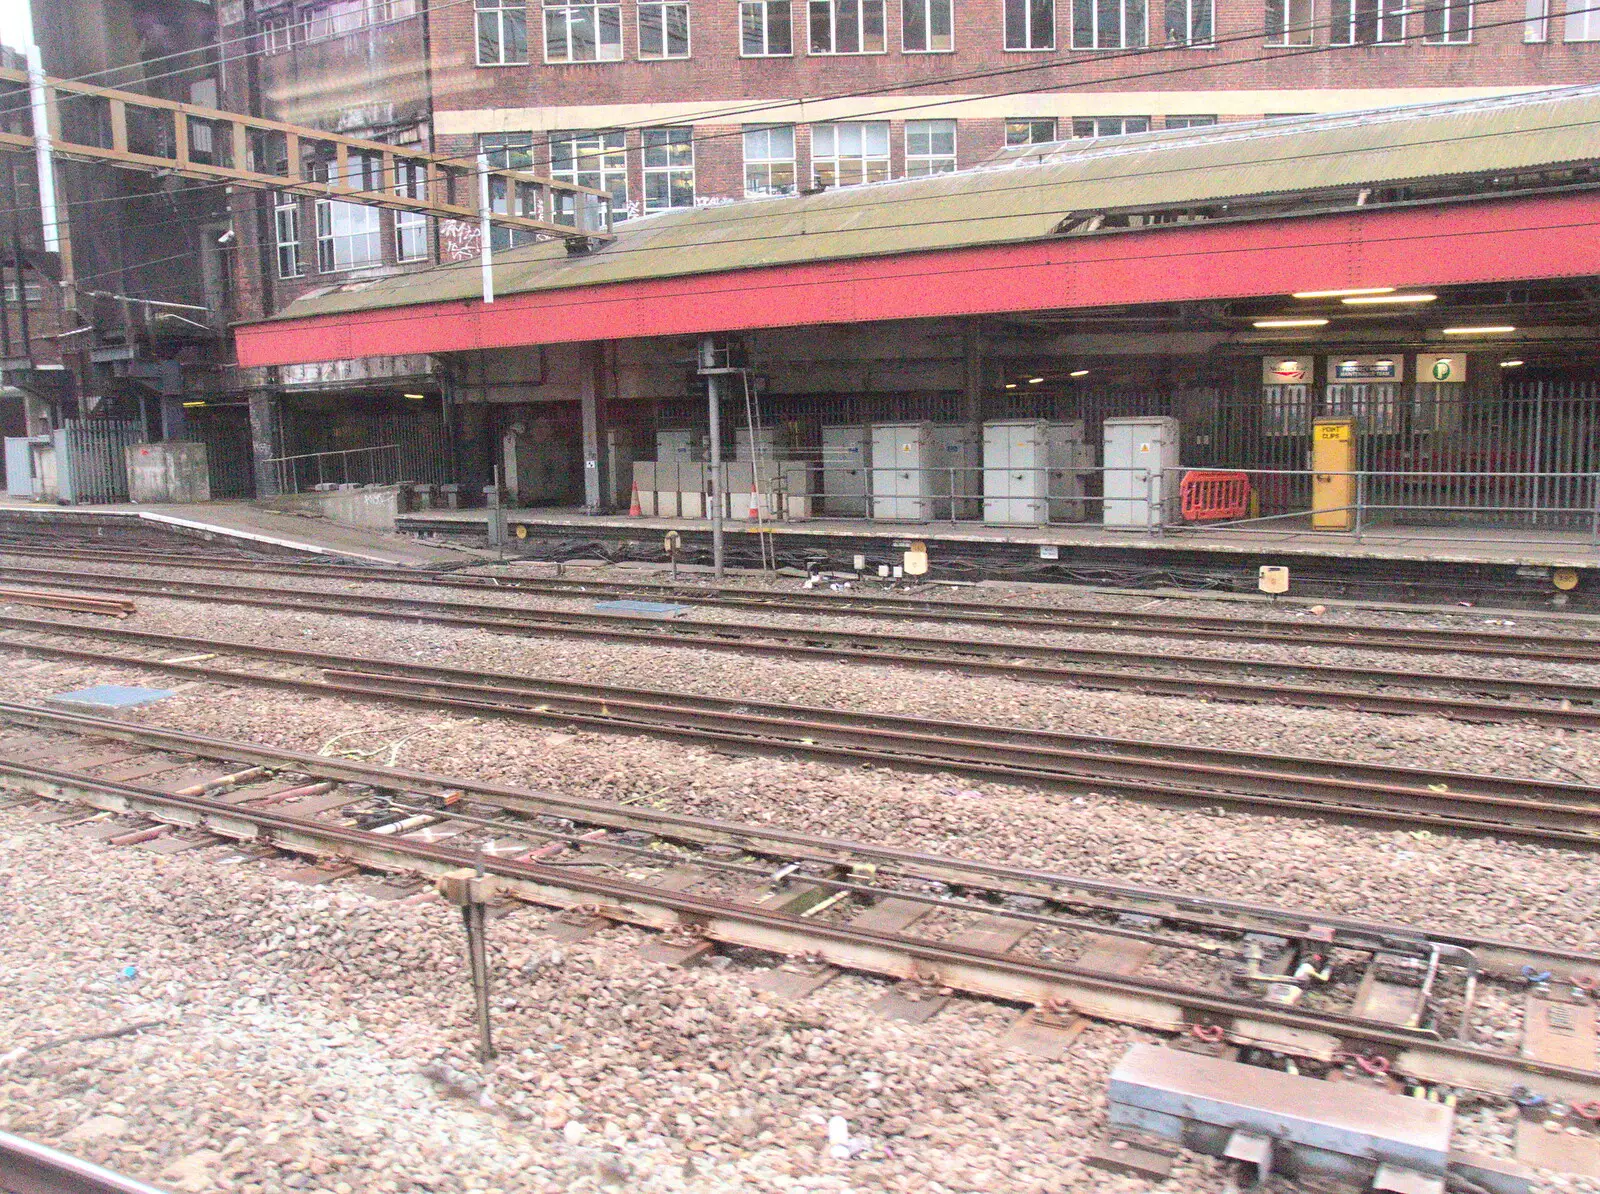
<point>471,890</point>
<point>266,442</point>
<point>971,373</point>
<point>714,390</point>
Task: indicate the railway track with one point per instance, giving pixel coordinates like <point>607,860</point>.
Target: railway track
<point>27,1167</point>
<point>1332,991</point>
<point>1521,645</point>
<point>1563,703</point>
<point>1544,811</point>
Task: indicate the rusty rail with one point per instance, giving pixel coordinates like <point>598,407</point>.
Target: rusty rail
<point>27,1167</point>
<point>81,603</point>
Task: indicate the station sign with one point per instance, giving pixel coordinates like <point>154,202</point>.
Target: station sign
<point>1385,368</point>
<point>1442,367</point>
<point>1287,371</point>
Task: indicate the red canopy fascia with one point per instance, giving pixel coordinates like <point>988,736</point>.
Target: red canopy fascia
<point>1453,243</point>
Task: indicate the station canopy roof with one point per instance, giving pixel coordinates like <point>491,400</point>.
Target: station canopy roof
<point>1518,144</point>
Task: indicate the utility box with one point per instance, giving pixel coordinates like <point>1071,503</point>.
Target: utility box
<point>1141,477</point>
<point>846,462</point>
<point>168,472</point>
<point>624,446</point>
<point>772,443</point>
<point>903,460</point>
<point>1016,471</point>
<point>692,477</point>
<point>958,474</point>
<point>19,465</point>
<point>682,447</point>
<point>1071,466</point>
<point>643,488</point>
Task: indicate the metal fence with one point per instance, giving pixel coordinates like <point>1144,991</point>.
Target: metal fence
<point>378,465</point>
<point>90,462</point>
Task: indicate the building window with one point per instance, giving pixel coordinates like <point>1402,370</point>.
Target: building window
<point>1583,20</point>
<point>851,153</point>
<point>769,160</point>
<point>1536,27</point>
<point>926,27</point>
<point>286,223</point>
<point>1109,126</point>
<point>1446,22</point>
<point>277,35</point>
<point>930,147</point>
<point>349,236</point>
<point>505,151</point>
<point>847,27</point>
<point>336,19</point>
<point>411,227</point>
<point>1031,130</point>
<point>582,32</point>
<point>1030,24</point>
<point>663,30</point>
<point>1107,24</point>
<point>1190,122</point>
<point>1189,22</point>
<point>32,291</point>
<point>668,168</point>
<point>1290,22</point>
<point>590,159</point>
<point>502,32</point>
<point>765,29</point>
<point>1369,22</point>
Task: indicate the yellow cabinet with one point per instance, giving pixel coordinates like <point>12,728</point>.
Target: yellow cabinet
<point>1333,485</point>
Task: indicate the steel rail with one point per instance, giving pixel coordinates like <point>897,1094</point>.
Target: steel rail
<point>1521,645</point>
<point>28,1167</point>
<point>971,657</point>
<point>1148,1003</point>
<point>1564,814</point>
<point>1496,957</point>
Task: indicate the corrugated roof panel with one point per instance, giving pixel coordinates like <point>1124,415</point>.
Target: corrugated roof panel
<point>1024,195</point>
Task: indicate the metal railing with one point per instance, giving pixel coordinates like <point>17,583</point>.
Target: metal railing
<point>378,465</point>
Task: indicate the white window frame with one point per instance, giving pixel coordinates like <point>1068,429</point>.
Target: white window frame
<point>1456,22</point>
<point>1582,21</point>
<point>410,227</point>
<point>1131,18</point>
<point>763,160</point>
<point>660,10</point>
<point>1536,26</point>
<point>331,213</point>
<point>286,232</point>
<point>1096,121</point>
<point>825,148</point>
<point>1032,122</point>
<point>277,35</point>
<point>1388,19</point>
<point>1291,22</point>
<point>927,10</point>
<point>1189,121</point>
<point>668,138</point>
<point>566,15</point>
<point>837,15</point>
<point>1028,43</point>
<point>32,292</point>
<point>336,19</point>
<point>593,152</point>
<point>501,16</point>
<point>1191,14</point>
<point>925,164</point>
<point>767,11</point>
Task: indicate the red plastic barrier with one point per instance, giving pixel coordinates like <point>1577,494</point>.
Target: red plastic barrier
<point>1209,495</point>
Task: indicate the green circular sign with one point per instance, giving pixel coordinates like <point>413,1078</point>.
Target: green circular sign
<point>1442,369</point>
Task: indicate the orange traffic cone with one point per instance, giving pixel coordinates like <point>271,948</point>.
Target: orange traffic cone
<point>755,507</point>
<point>634,510</point>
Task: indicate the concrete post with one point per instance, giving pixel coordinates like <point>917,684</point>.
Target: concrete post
<point>972,372</point>
<point>266,442</point>
<point>592,396</point>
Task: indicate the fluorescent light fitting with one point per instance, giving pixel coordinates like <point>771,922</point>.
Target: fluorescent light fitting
<point>416,397</point>
<point>1011,385</point>
<point>1354,290</point>
<point>1289,323</point>
<point>1079,373</point>
<point>1512,364</point>
<point>1365,300</point>
<point>192,404</point>
<point>1487,330</point>
<point>1033,381</point>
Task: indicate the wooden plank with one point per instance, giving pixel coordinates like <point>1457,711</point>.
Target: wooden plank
<point>796,978</point>
<point>119,125</point>
<point>914,1003</point>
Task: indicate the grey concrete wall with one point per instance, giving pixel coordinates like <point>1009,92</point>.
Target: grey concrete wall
<point>372,507</point>
<point>173,471</point>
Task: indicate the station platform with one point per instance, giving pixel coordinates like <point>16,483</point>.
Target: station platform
<point>1432,563</point>
<point>240,524</point>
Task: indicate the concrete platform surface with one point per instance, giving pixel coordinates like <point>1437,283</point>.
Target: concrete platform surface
<point>1531,547</point>
<point>245,524</point>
